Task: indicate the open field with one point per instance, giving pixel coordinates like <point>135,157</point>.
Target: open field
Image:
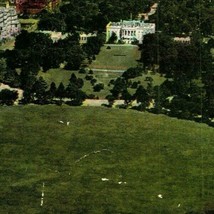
<point>119,57</point>
<point>154,164</point>
<point>61,75</point>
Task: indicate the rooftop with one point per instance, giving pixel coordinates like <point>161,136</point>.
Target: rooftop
<point>131,24</point>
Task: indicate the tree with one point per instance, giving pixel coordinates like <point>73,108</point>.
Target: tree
<point>60,92</point>
<point>52,22</point>
<point>98,87</point>
<point>39,88</point>
<point>187,63</point>
<point>74,56</point>
<point>113,38</point>
<point>76,95</point>
<point>78,82</point>
<point>8,97</point>
<point>149,53</point>
<point>3,68</point>
<point>93,45</point>
<point>110,99</point>
<point>52,91</point>
<point>142,97</point>
<point>132,73</point>
<point>120,85</point>
<point>37,41</point>
<point>71,90</point>
<point>12,78</point>
<point>127,97</point>
<point>53,57</point>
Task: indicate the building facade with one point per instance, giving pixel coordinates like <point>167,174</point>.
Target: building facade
<point>9,23</point>
<point>129,31</point>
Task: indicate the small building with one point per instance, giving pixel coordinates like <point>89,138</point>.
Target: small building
<point>35,6</point>
<point>84,37</point>
<point>9,23</point>
<point>185,40</point>
<point>129,31</point>
<point>55,36</point>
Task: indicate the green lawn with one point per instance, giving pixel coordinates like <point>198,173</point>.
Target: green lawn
<point>29,24</point>
<point>9,44</point>
<point>119,57</point>
<point>153,154</point>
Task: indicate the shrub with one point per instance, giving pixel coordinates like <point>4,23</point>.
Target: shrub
<point>134,85</point>
<point>93,81</point>
<point>98,87</point>
<point>90,72</point>
<point>91,96</point>
<point>82,71</point>
<point>89,77</point>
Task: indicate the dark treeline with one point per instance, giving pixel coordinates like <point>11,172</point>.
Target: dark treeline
<point>186,16</point>
<point>92,15</point>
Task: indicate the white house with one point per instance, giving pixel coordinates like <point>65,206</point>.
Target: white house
<point>129,31</point>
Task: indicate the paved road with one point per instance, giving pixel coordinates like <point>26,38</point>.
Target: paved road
<point>107,70</point>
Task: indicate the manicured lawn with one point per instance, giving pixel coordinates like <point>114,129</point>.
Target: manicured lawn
<point>150,154</point>
<point>119,57</point>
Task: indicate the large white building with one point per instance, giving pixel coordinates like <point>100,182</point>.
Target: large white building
<point>129,31</point>
<point>9,23</point>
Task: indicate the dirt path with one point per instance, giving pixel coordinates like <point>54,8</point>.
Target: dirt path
<point>93,102</point>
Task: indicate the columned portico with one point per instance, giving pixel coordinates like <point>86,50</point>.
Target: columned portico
<point>129,31</point>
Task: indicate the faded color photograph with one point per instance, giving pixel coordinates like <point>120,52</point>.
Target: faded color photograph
<point>106,107</point>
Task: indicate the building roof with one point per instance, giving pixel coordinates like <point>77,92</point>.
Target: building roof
<point>131,24</point>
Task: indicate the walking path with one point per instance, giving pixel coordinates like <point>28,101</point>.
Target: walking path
<point>108,70</point>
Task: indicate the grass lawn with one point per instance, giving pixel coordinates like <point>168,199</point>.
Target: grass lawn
<point>9,44</point>
<point>150,154</point>
<point>119,57</point>
<point>29,24</point>
<point>61,75</point>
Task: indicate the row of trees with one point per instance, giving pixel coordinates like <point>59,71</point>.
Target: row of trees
<point>92,15</point>
<point>37,50</point>
<point>40,93</point>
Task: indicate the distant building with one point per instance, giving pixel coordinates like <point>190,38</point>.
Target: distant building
<point>129,31</point>
<point>55,36</point>
<point>84,37</point>
<point>9,23</point>
<point>186,40</point>
<point>35,6</point>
